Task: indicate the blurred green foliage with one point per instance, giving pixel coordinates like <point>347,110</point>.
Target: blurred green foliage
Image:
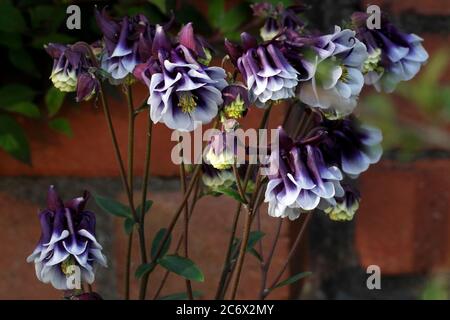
<point>416,117</point>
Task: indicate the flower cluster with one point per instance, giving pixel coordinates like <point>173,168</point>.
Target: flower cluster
<point>67,239</point>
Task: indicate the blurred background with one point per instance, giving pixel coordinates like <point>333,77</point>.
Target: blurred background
<point>46,138</point>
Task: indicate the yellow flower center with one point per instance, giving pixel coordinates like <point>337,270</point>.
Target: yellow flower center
<point>235,109</point>
<point>187,102</point>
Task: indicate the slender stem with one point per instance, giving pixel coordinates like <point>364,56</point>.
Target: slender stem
<point>186,228</point>
<point>195,176</point>
<point>239,184</point>
<point>130,174</point>
<point>240,261</point>
<point>128,266</point>
<point>267,263</point>
<point>223,277</point>
<point>290,255</point>
<point>148,149</point>
<point>180,240</point>
<point>117,150</point>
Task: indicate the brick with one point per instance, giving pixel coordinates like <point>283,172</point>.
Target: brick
<point>209,231</point>
<point>404,219</point>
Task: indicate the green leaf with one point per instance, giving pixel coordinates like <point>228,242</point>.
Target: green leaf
<point>128,225</point>
<point>292,279</point>
<point>253,238</point>
<point>22,60</point>
<point>39,41</point>
<point>49,17</point>
<point>24,108</point>
<point>230,192</point>
<point>234,18</point>
<point>113,207</point>
<point>157,242</point>
<point>61,125</point>
<point>144,269</point>
<point>54,100</point>
<point>216,12</point>
<point>182,266</point>
<point>161,4</point>
<point>10,40</point>
<point>148,205</point>
<point>181,296</point>
<point>13,93</point>
<point>255,253</point>
<point>11,20</point>
<point>13,139</point>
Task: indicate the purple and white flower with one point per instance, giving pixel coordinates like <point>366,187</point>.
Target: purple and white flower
<point>344,208</point>
<point>214,178</point>
<point>127,42</point>
<point>235,101</point>
<point>67,239</point>
<point>351,145</point>
<point>338,78</point>
<point>72,69</point>
<point>183,92</point>
<point>394,56</point>
<point>300,178</point>
<point>267,73</point>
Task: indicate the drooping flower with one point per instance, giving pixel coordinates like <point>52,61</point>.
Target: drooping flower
<point>351,145</point>
<point>127,42</point>
<point>183,92</point>
<point>394,56</point>
<point>269,76</point>
<point>235,101</point>
<point>214,178</point>
<point>344,208</point>
<point>71,71</point>
<point>338,79</point>
<point>222,150</point>
<point>277,18</point>
<point>68,239</point>
<point>299,178</point>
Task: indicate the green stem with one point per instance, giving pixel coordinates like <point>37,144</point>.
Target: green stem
<point>148,149</point>
<point>128,266</point>
<point>186,228</point>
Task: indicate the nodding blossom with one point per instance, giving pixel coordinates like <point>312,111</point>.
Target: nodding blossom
<point>394,56</point>
<point>345,207</point>
<point>67,239</point>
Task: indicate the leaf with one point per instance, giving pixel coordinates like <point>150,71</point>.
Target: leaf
<point>157,242</point>
<point>22,60</point>
<point>253,238</point>
<point>24,108</point>
<point>61,125</point>
<point>128,225</point>
<point>13,139</point>
<point>181,296</point>
<point>216,10</point>
<point>113,207</point>
<point>54,100</point>
<point>255,253</point>
<point>13,93</point>
<point>144,269</point>
<point>182,266</point>
<point>11,20</point>
<point>161,4</point>
<point>148,205</point>
<point>292,279</point>
<point>234,18</point>
<point>230,192</point>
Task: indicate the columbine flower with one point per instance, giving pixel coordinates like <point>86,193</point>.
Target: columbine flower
<point>277,18</point>
<point>222,150</point>
<point>394,56</point>
<point>215,178</point>
<point>128,42</point>
<point>67,238</point>
<point>338,79</point>
<point>235,101</point>
<point>183,92</point>
<point>351,145</point>
<point>344,208</point>
<point>299,178</point>
<point>268,74</point>
<point>72,69</point>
